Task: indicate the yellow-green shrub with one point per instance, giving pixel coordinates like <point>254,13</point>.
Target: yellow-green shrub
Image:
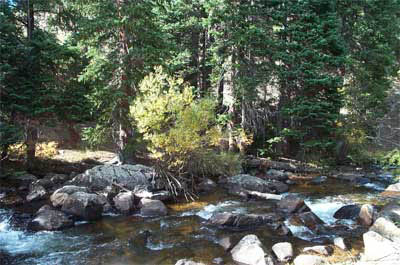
<point>181,131</point>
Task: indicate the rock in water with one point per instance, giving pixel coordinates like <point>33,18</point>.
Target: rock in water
<point>78,201</point>
<point>283,251</point>
<point>50,219</point>
<point>59,196</point>
<point>125,202</point>
<point>308,260</point>
<point>293,203</point>
<point>249,251</point>
<point>150,208</point>
<point>252,183</point>
<point>348,212</point>
<point>242,221</point>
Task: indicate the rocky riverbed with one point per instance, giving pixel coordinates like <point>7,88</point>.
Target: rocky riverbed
<point>121,215</point>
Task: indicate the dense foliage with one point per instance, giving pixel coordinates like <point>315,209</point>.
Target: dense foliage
<point>292,77</point>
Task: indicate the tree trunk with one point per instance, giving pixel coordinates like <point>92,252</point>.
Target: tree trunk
<point>122,109</point>
<point>31,140</point>
<point>229,100</point>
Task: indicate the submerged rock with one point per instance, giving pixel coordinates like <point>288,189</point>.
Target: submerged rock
<point>348,212</point>
<point>249,251</point>
<point>50,219</point>
<point>318,180</point>
<point>150,208</point>
<point>226,243</point>
<point>283,251</point>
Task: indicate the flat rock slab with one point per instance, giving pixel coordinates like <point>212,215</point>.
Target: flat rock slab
<point>309,260</point>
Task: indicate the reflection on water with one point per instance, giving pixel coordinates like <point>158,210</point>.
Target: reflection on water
<point>182,234</point>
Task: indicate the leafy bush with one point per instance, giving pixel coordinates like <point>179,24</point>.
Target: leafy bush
<point>391,158</point>
<point>43,150</point>
<point>181,132</point>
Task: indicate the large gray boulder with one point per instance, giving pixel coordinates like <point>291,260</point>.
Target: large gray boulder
<point>50,219</point>
<point>78,201</point>
<point>131,177</point>
<point>307,219</point>
<point>252,183</point>
<point>386,228</point>
<point>250,251</point>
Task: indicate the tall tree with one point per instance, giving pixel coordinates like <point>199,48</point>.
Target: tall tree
<point>124,43</point>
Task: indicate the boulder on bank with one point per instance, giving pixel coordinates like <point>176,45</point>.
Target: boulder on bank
<point>250,251</point>
<point>394,187</point>
<point>50,219</point>
<point>78,201</point>
<point>308,260</point>
<point>340,243</point>
<point>36,193</point>
<point>321,250</point>
<point>386,228</point>
<point>379,249</point>
<point>367,215</point>
<point>283,251</point>
<point>152,208</point>
<point>130,177</point>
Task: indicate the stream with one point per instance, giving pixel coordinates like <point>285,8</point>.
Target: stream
<point>184,233</point>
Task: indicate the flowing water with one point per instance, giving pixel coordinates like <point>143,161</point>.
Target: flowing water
<point>184,233</point>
